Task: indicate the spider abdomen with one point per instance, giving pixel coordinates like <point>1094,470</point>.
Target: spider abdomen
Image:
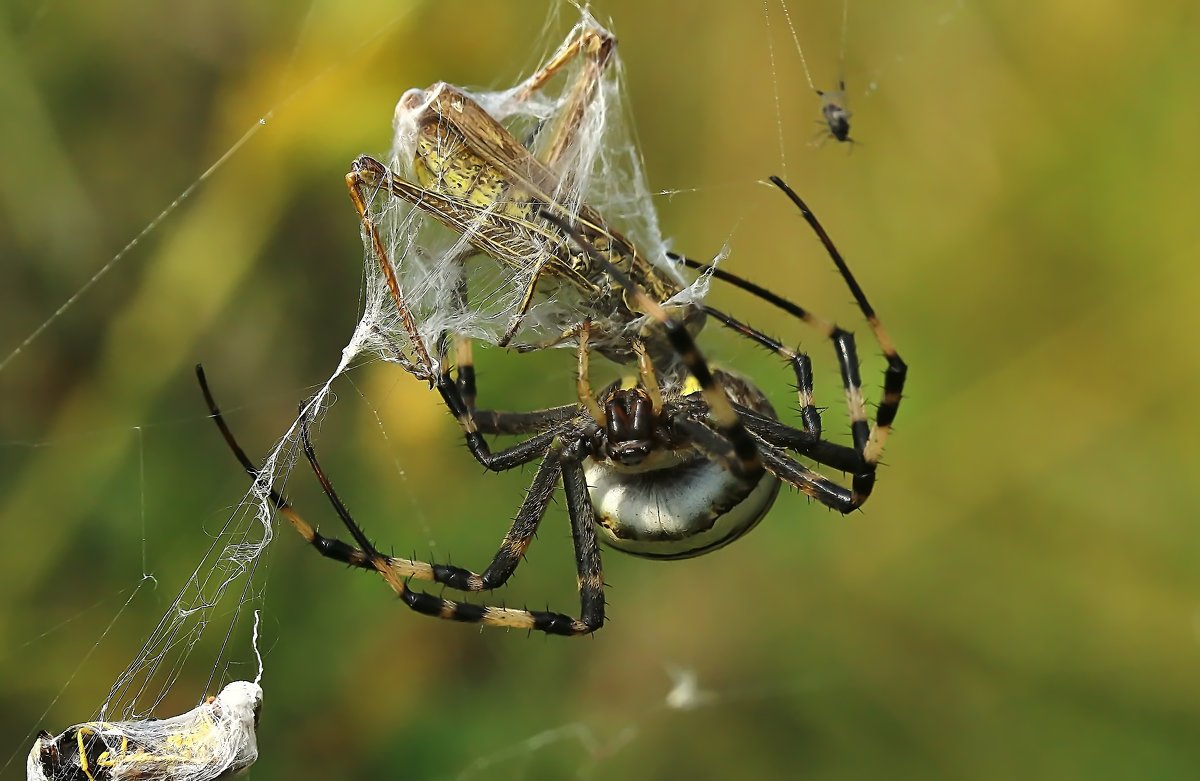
<point>677,511</point>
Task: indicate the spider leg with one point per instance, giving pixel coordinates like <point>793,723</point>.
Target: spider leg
<point>506,560</point>
<point>587,564</point>
<point>456,392</point>
<point>897,369</point>
<point>720,450</point>
<point>781,435</point>
<point>800,362</point>
<point>810,483</point>
<point>502,422</point>
<point>516,542</point>
<point>498,423</point>
<point>869,444</point>
<point>843,342</point>
<point>583,381</point>
<point>397,572</point>
<point>327,546</point>
<point>464,361</point>
<point>512,549</point>
<point>368,557</point>
<point>868,440</point>
<point>647,376</point>
<point>714,445</point>
<point>589,573</point>
<point>494,422</point>
<point>588,569</point>
<point>491,422</point>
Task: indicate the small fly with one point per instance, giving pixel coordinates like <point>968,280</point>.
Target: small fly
<point>837,117</point>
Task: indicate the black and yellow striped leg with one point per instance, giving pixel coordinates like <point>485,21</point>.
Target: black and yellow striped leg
<point>516,541</point>
<point>521,453</point>
<point>495,421</point>
<point>460,394</point>
<point>587,550</point>
<point>847,356</point>
<point>503,565</point>
<point>800,362</point>
<point>501,422</point>
<point>464,362</point>
<point>896,371</point>
<point>842,340</point>
<point>725,419</point>
<point>400,569</point>
<point>495,462</point>
<point>868,440</point>
<point>329,547</point>
<point>587,560</point>
<point>583,379</point>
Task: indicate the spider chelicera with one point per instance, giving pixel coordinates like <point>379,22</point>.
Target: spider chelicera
<point>677,463</point>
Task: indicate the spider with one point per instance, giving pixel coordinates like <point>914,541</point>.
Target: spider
<point>679,462</point>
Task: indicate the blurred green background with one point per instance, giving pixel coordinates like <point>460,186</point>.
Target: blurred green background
<point>1020,599</point>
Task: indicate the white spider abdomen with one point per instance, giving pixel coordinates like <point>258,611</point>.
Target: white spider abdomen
<point>677,511</point>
